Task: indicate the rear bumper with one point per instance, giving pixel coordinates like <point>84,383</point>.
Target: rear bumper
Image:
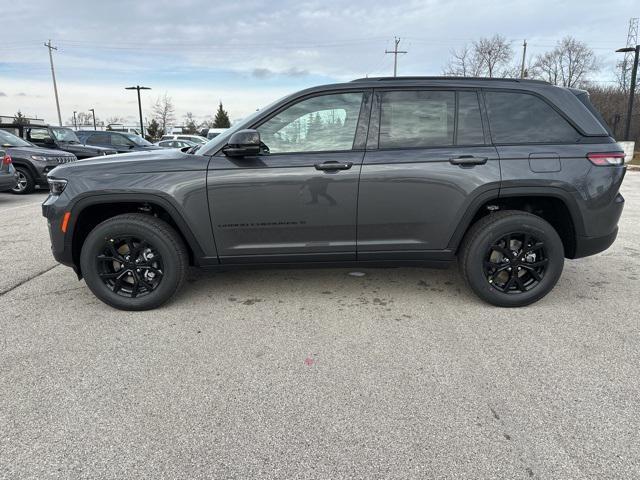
<point>7,181</point>
<point>586,246</point>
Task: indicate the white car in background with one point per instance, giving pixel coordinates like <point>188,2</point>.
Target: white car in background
<point>214,132</point>
<point>183,136</point>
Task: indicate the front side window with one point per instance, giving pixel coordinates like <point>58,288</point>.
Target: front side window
<point>410,119</point>
<point>318,124</point>
<point>524,118</point>
<point>65,135</point>
<point>120,140</point>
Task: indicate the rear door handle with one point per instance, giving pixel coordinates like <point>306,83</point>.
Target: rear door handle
<point>333,165</point>
<point>464,160</point>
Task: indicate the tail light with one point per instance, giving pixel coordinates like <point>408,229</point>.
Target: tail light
<point>7,160</point>
<point>606,159</point>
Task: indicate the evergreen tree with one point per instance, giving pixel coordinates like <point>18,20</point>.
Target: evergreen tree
<point>154,132</point>
<point>222,118</point>
<point>19,119</point>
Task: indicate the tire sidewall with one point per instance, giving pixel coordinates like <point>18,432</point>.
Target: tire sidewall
<point>535,226</point>
<point>94,245</point>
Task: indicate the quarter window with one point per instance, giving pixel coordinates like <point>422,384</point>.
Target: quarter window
<point>318,124</point>
<point>469,120</point>
<point>523,118</point>
<point>417,119</point>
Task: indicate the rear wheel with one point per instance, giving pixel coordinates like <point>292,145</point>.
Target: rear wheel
<point>511,258</point>
<point>26,183</point>
<point>134,262</point>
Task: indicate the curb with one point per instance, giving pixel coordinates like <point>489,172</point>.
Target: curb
<point>633,168</point>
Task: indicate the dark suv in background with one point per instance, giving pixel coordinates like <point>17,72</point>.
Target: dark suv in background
<point>30,162</point>
<point>62,138</point>
<point>119,141</point>
<point>509,176</point>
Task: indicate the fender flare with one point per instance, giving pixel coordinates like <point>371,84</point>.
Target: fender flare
<point>161,200</point>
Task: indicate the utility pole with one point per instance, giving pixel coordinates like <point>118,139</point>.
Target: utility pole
<point>138,88</point>
<point>93,112</point>
<point>53,75</point>
<point>524,56</point>
<point>75,123</point>
<point>395,52</point>
<point>632,89</point>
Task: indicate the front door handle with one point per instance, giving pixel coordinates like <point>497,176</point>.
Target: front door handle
<point>467,160</point>
<point>333,165</point>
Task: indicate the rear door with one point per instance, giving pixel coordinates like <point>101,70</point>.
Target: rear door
<point>296,202</point>
<point>428,160</point>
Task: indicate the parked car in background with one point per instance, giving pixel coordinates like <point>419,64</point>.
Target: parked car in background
<point>176,143</point>
<point>510,176</point>
<point>182,136</point>
<point>119,141</point>
<point>214,132</point>
<point>62,138</point>
<point>8,176</point>
<point>31,163</point>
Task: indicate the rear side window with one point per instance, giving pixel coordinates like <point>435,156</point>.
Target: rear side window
<point>523,118</point>
<point>410,119</point>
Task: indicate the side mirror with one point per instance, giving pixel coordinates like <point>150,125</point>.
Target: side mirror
<point>243,143</point>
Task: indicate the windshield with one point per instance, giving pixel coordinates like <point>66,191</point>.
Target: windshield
<point>137,140</point>
<point>65,135</point>
<point>9,140</point>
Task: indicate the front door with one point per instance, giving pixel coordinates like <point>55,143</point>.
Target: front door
<point>427,160</point>
<point>296,201</point>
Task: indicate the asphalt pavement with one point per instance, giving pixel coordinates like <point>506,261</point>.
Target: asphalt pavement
<point>316,373</point>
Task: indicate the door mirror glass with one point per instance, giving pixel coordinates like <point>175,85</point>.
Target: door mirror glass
<point>243,143</point>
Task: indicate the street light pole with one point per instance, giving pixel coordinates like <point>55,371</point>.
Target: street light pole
<point>632,89</point>
<point>93,112</point>
<point>138,88</point>
<point>75,123</point>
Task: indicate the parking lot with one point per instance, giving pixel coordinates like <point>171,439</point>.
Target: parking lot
<point>400,373</point>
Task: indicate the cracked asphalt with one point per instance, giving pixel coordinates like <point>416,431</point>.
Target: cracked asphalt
<point>400,373</point>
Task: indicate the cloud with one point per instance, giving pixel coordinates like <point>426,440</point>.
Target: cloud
<point>21,94</point>
<point>2,94</point>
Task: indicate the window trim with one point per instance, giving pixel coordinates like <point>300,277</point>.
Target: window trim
<point>579,131</point>
<point>259,122</point>
<point>374,126</point>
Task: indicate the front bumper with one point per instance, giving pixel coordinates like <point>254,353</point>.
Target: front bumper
<point>61,246</point>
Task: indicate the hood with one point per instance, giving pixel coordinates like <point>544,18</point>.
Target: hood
<point>151,161</point>
<point>45,152</point>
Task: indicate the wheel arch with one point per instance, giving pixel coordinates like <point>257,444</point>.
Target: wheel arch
<point>91,210</point>
<point>555,205</point>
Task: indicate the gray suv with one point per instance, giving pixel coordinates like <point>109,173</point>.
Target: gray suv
<point>508,176</point>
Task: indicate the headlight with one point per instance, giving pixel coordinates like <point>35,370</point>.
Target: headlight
<point>56,185</point>
<point>39,158</point>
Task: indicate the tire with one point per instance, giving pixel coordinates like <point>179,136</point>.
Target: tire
<point>511,258</point>
<point>110,258</point>
<point>26,184</point>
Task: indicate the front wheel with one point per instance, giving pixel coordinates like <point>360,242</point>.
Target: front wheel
<point>511,258</point>
<point>25,184</point>
<point>134,262</point>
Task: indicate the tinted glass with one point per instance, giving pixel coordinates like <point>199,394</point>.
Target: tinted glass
<point>469,120</point>
<point>523,118</point>
<point>9,140</point>
<point>417,119</point>
<point>97,138</point>
<point>120,140</point>
<point>324,123</point>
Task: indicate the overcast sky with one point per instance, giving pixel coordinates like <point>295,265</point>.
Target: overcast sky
<point>248,53</point>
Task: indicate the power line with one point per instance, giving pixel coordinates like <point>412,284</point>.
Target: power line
<point>53,75</point>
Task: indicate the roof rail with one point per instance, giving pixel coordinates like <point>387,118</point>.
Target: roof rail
<point>495,79</point>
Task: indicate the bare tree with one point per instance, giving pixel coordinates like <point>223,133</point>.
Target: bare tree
<point>114,119</point>
<point>487,57</point>
<point>493,53</point>
<point>568,64</point>
<point>164,112</point>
